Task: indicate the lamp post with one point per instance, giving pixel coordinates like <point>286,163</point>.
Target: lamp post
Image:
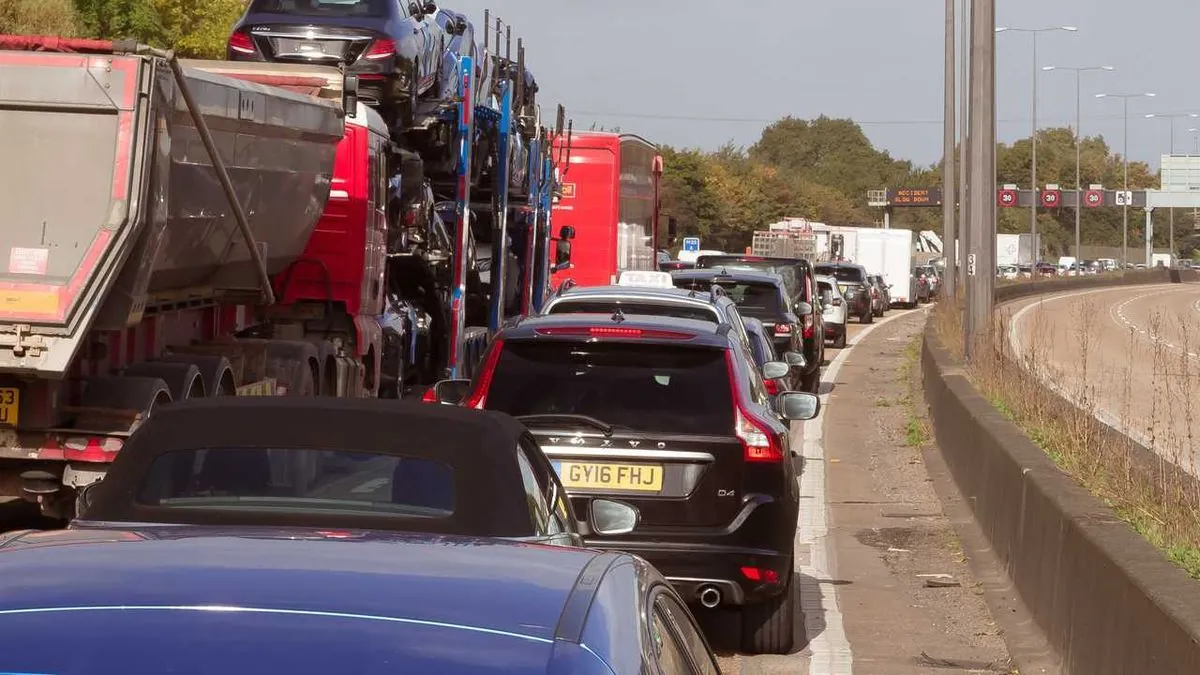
<point>1125,159</point>
<point>1078,142</point>
<point>1037,253</point>
<point>1171,211</point>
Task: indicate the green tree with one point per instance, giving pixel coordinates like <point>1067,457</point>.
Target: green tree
<point>198,28</point>
<point>39,17</point>
<point>115,19</point>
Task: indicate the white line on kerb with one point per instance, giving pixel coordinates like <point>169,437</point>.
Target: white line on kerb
<point>831,654</point>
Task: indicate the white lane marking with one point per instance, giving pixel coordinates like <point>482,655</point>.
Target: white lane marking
<point>1117,312</point>
<point>1048,379</point>
<point>831,654</point>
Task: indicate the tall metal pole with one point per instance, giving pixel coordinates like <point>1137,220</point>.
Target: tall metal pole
<point>1033,184</point>
<point>982,221</point>
<point>1171,211</point>
<point>1078,72</point>
<point>949,198</point>
<point>1125,209</point>
<point>957,252</point>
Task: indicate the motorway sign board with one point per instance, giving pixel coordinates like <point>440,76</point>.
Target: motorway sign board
<point>1123,197</point>
<point>914,196</point>
<point>1007,198</point>
<point>1051,198</point>
<point>1093,198</point>
<point>691,243</point>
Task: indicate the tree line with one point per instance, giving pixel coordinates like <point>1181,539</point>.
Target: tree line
<point>194,28</point>
<point>821,169</point>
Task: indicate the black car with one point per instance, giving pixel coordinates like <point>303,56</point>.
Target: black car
<point>671,416</point>
<point>763,296</point>
<point>367,464</point>
<point>881,295</point>
<point>801,282</point>
<point>855,286</point>
<point>305,600</point>
<point>395,47</point>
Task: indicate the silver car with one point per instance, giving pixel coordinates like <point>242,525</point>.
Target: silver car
<point>833,310</point>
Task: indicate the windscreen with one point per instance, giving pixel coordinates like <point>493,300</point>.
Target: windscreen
<point>756,300</point>
<point>335,8</point>
<point>308,480</point>
<point>647,387</point>
<point>787,270</point>
<point>648,308</point>
<point>852,275</point>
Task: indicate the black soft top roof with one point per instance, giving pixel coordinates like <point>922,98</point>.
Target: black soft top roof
<point>479,445</point>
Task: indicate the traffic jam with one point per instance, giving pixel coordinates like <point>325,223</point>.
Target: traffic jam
<point>403,383</point>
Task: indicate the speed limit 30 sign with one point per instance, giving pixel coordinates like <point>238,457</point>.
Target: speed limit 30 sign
<point>1093,198</point>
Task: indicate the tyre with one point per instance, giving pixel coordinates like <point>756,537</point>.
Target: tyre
<point>868,317</point>
<point>840,340</point>
<point>811,382</point>
<point>768,627</point>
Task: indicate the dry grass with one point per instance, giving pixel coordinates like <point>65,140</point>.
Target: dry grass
<point>1150,492</point>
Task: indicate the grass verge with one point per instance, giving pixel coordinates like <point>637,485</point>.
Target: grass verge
<point>1158,500</point>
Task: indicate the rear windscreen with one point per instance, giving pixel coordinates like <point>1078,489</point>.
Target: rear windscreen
<point>647,387</point>
<point>850,274</point>
<point>791,280</point>
<point>337,8</point>
<point>299,480</point>
<point>651,309</point>
<point>756,300</point>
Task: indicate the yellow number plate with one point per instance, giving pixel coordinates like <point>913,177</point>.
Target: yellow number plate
<point>589,476</point>
<point>10,404</point>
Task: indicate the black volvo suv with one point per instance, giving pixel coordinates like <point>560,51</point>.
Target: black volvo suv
<point>672,416</point>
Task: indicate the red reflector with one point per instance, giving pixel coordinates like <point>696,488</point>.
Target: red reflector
<point>430,396</point>
<point>762,574</point>
<point>613,331</point>
<point>772,386</point>
<point>241,42</point>
<point>381,49</point>
<point>91,449</point>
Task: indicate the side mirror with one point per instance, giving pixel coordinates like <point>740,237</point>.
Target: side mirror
<point>795,359</point>
<point>562,252</point>
<point>350,96</point>
<point>803,309</point>
<point>448,392</point>
<point>460,26</point>
<point>430,8</point>
<point>795,406</point>
<point>567,233</point>
<point>611,518</point>
<point>773,370</point>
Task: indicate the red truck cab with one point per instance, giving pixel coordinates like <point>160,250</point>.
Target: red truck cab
<point>610,195</point>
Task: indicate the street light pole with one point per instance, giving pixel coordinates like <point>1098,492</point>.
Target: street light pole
<point>1037,250</point>
<point>1125,215</point>
<point>1171,211</point>
<point>949,198</point>
<point>1078,143</point>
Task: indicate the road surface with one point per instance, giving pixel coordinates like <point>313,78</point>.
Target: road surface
<point>885,589</point>
<point>1130,355</point>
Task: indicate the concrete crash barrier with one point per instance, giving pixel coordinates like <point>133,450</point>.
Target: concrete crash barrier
<point>1066,284</point>
<point>1106,599</point>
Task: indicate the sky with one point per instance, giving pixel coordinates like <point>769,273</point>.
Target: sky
<point>701,73</point>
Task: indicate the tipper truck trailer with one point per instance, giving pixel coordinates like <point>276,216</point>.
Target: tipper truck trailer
<point>176,229</point>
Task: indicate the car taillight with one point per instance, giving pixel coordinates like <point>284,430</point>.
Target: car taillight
<point>837,302</point>
<point>613,331</point>
<point>381,49</point>
<point>758,444</point>
<point>240,42</point>
<point>479,396</point>
<point>430,396</point>
<point>783,329</point>
<point>772,386</point>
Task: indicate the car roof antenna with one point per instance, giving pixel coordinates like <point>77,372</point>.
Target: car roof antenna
<point>618,316</point>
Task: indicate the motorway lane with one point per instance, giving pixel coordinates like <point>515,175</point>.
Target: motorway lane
<point>1129,354</point>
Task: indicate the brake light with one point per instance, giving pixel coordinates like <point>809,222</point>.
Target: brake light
<point>762,574</point>
<point>430,396</point>
<point>783,329</point>
<point>479,396</point>
<point>381,49</point>
<point>613,331</point>
<point>759,443</point>
<point>241,42</point>
<point>772,387</point>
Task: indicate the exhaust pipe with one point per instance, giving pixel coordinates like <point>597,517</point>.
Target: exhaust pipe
<point>710,596</point>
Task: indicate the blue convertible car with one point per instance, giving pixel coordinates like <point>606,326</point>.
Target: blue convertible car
<point>196,600</point>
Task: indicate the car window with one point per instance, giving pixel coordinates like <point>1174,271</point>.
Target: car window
<point>325,8</point>
<point>649,387</point>
<point>739,326</point>
<point>299,479</point>
<point>689,634</point>
<point>581,306</point>
<point>851,274</point>
<point>760,348</point>
<point>538,511</point>
<point>753,379</point>
<point>669,652</point>
<point>753,299</point>
<point>548,487</point>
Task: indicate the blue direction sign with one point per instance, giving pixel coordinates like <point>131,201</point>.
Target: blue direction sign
<point>691,243</point>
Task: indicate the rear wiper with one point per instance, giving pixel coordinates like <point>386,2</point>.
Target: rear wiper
<point>567,417</point>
